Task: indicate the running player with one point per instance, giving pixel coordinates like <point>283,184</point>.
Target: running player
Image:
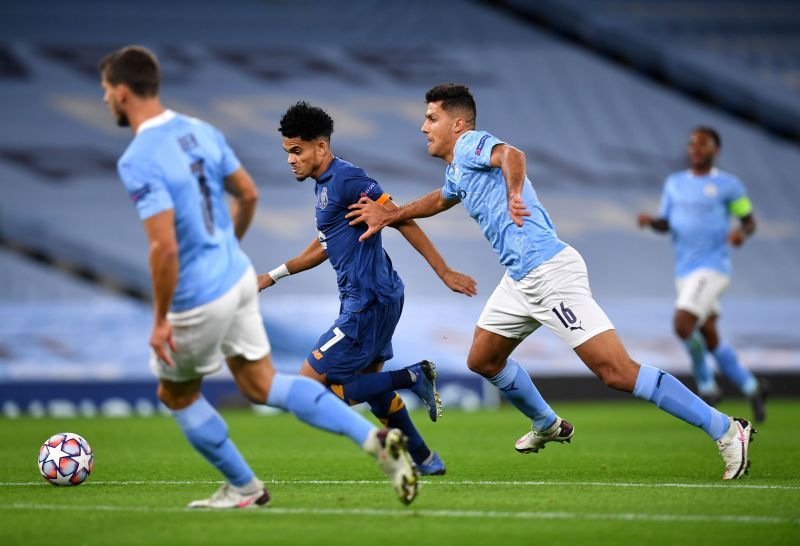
<point>546,283</point>
<point>350,355</point>
<point>205,296</point>
<point>696,206</point>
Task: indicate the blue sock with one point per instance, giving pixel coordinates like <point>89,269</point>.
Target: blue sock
<point>672,396</point>
<point>367,386</point>
<point>208,433</point>
<point>390,409</point>
<point>314,404</point>
<point>518,388</point>
<point>703,374</point>
<point>730,366</point>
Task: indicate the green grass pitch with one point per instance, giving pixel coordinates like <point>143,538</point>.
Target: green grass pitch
<point>632,475</point>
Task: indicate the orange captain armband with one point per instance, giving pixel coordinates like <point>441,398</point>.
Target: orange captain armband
<point>383,198</point>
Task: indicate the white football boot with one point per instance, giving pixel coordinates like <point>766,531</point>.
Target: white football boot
<point>561,431</point>
<point>389,448</point>
<point>228,497</point>
<point>734,447</point>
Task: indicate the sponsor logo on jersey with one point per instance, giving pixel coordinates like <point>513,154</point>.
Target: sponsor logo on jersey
<point>479,149</point>
<point>136,195</point>
<point>710,190</point>
<point>323,198</point>
<point>371,187</point>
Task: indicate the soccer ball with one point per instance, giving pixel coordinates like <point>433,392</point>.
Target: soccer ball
<point>66,459</point>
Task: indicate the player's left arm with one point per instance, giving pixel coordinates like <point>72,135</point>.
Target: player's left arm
<point>164,267</point>
<point>455,280</point>
<point>743,210</point>
<point>245,199</point>
<point>512,162</point>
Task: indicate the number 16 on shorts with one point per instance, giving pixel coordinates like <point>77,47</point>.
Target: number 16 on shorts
<point>567,317</point>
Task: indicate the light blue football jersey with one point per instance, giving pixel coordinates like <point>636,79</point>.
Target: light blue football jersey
<point>178,162</point>
<point>482,190</point>
<point>698,211</point>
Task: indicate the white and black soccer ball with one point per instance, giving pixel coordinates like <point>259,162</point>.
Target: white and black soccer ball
<point>66,459</point>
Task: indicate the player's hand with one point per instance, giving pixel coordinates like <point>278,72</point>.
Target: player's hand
<point>265,281</point>
<point>517,209</point>
<point>160,338</point>
<point>736,237</point>
<point>644,220</point>
<point>459,282</point>
<point>368,212</point>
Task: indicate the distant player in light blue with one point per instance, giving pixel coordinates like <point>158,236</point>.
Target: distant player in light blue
<point>177,170</point>
<point>349,357</point>
<point>696,207</point>
<point>546,283</point>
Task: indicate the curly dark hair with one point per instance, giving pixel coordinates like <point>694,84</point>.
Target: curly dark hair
<point>454,97</point>
<point>306,122</point>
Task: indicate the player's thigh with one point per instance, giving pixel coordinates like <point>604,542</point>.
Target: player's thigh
<point>506,313</point>
<point>355,342</point>
<point>699,293</point>
<point>245,336</point>
<point>559,297</point>
<point>198,335</point>
<point>253,377</point>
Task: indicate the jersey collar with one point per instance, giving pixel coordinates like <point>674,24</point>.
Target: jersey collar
<point>713,172</point>
<point>155,121</point>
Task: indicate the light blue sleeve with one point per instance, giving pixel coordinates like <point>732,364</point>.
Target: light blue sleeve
<point>450,190</point>
<point>474,150</point>
<point>145,184</point>
<point>666,200</point>
<point>229,162</point>
<point>734,190</point>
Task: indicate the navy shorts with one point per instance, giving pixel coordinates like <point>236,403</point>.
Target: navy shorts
<point>355,341</point>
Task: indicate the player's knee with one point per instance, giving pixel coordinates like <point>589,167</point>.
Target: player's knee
<point>486,367</point>
<point>175,400</point>
<point>616,374</point>
<point>683,329</point>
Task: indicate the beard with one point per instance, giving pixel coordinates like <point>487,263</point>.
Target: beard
<point>122,120</point>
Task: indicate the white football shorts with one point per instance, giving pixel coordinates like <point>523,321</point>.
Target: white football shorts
<point>555,294</point>
<point>231,325</point>
<point>699,293</point>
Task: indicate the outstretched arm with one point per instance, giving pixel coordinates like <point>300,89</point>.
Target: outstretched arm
<point>245,199</point>
<point>455,280</point>
<point>377,216</point>
<point>164,266</point>
<point>657,224</point>
<point>311,257</point>
<point>512,162</point>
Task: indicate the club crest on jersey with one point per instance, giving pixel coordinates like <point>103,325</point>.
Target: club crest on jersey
<point>323,198</point>
<point>710,190</point>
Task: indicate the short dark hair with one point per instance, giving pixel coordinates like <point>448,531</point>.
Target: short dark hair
<point>454,97</point>
<point>306,122</point>
<point>710,131</point>
<point>135,66</point>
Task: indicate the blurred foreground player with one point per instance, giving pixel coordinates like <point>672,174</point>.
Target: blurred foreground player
<point>205,294</point>
<point>696,206</point>
<point>546,283</point>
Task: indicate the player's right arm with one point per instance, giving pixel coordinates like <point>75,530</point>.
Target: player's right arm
<point>311,257</point>
<point>378,217</point>
<point>245,200</point>
<point>164,267</point>
<point>656,224</point>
